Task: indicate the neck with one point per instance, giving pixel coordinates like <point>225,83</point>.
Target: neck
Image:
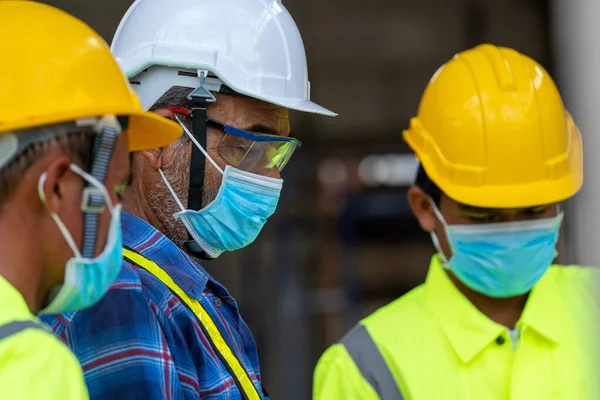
<point>21,262</point>
<point>506,311</point>
<point>135,203</point>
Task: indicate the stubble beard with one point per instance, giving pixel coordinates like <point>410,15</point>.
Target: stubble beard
<point>164,205</point>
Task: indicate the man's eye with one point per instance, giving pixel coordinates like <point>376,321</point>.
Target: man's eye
<point>535,211</point>
<point>480,218</point>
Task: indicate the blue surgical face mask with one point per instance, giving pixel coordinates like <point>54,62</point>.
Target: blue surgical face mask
<point>238,213</point>
<point>87,279</point>
<point>503,259</point>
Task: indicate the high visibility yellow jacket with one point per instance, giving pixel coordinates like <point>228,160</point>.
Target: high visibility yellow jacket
<point>33,363</point>
<point>433,344</point>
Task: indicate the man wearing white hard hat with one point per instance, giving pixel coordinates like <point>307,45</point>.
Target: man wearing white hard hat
<point>228,71</point>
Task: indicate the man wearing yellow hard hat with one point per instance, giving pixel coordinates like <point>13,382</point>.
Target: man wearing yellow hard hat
<point>494,319</point>
<point>67,121</point>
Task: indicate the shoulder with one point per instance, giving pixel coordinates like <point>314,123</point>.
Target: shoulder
<point>402,325</point>
<point>337,377</point>
<point>133,296</point>
<point>574,278</point>
<point>122,332</point>
<point>127,344</point>
<point>409,307</point>
<point>574,271</point>
<point>123,308</point>
<point>577,286</point>
<point>37,344</point>
<point>126,317</point>
<point>35,355</point>
<point>335,357</point>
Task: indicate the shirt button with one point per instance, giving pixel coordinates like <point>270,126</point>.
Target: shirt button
<point>500,340</point>
<point>218,302</point>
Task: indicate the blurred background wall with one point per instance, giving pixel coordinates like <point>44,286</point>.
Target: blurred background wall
<point>343,242</point>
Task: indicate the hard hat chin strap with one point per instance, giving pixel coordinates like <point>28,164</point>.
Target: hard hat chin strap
<point>200,97</point>
<point>108,130</point>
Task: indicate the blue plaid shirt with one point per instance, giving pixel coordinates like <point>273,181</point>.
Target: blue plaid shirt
<point>141,342</point>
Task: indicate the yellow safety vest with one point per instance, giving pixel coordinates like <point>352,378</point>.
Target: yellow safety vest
<point>433,343</point>
<point>210,330</point>
<point>34,364</point>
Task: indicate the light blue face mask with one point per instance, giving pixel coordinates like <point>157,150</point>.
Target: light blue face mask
<point>87,279</point>
<point>238,213</point>
<point>500,259</point>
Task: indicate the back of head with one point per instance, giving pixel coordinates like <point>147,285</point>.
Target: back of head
<point>492,131</point>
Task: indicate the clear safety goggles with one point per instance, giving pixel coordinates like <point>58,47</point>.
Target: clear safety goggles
<point>251,151</point>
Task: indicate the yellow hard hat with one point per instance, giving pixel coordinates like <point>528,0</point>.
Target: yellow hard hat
<point>55,69</point>
<point>492,131</point>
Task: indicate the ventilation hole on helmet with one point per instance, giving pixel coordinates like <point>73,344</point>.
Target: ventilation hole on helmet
<point>135,82</point>
<point>186,73</point>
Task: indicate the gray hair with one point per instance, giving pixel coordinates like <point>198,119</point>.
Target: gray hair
<point>176,97</point>
<point>176,172</point>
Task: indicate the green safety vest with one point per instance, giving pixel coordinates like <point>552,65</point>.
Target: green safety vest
<point>433,343</point>
<point>34,364</point>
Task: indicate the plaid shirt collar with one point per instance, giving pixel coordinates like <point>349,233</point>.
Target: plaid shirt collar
<point>145,239</point>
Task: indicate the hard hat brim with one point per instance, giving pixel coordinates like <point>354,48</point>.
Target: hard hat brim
<point>515,196</point>
<point>298,105</point>
<point>148,130</point>
<point>151,84</point>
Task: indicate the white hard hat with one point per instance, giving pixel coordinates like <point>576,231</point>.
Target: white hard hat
<point>251,46</point>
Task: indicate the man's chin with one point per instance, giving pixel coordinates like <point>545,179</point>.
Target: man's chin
<point>209,196</point>
<point>176,234</point>
<point>170,226</point>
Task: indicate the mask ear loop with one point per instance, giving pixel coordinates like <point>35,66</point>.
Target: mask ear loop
<point>61,226</point>
<point>166,181</point>
<point>434,237</point>
<point>437,212</point>
<point>187,132</point>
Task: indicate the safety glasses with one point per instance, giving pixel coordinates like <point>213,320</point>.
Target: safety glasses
<point>251,151</point>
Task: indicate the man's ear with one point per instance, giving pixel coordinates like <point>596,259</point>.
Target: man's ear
<point>155,156</point>
<point>166,113</point>
<point>420,205</point>
<point>60,183</point>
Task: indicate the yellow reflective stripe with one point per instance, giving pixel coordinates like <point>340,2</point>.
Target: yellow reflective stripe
<point>221,346</point>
